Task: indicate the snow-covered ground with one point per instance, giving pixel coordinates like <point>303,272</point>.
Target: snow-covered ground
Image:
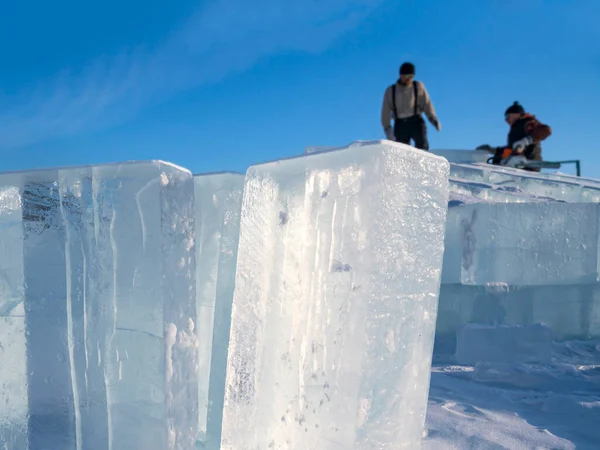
<point>517,406</point>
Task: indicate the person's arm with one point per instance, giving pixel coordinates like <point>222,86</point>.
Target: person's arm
<point>386,112</point>
<point>536,132</point>
<point>428,108</point>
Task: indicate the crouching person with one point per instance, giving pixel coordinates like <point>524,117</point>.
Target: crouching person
<point>524,138</point>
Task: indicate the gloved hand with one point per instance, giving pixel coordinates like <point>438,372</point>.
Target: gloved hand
<point>436,123</point>
<point>389,134</point>
<point>514,161</point>
<point>486,148</point>
<point>519,146</point>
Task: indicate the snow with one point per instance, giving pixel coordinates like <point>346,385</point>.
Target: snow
<point>334,309</point>
<point>517,406</point>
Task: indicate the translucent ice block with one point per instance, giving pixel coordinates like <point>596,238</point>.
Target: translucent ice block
<point>541,185</point>
<point>519,264</point>
<point>490,192</point>
<point>13,366</point>
<point>503,344</point>
<point>218,205</point>
<point>571,311</point>
<point>105,352</point>
<point>335,301</point>
<point>529,244</point>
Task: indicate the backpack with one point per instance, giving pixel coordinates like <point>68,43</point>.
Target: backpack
<point>416,93</point>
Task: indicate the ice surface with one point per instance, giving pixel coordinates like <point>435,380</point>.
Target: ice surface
<point>99,308</point>
<point>503,344</point>
<point>335,301</point>
<point>462,156</point>
<point>218,202</point>
<point>454,156</point>
<point>572,312</point>
<point>542,185</point>
<point>531,244</point>
<point>517,405</point>
<point>491,192</point>
<point>13,366</point>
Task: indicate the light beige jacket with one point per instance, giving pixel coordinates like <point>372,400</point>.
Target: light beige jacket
<point>405,103</point>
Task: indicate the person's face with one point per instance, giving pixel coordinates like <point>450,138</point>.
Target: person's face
<point>406,79</point>
<point>512,118</point>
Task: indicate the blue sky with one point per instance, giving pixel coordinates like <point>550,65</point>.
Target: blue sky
<point>220,85</point>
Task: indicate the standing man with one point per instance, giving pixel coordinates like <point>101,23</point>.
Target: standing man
<point>406,101</point>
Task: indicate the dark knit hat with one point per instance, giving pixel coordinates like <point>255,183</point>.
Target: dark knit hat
<point>515,108</point>
<point>407,69</point>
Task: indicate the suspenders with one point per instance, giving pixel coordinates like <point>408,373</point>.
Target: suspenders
<point>394,98</point>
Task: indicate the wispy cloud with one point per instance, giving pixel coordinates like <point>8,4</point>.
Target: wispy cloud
<point>223,37</point>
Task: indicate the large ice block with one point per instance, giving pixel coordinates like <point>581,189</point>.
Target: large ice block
<point>478,343</point>
<point>527,244</point>
<point>538,184</point>
<point>519,264</point>
<point>335,301</point>
<point>101,308</point>
<point>218,204</point>
<point>571,311</point>
<point>13,366</point>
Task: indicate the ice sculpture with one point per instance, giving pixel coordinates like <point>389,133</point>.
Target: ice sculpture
<point>218,202</point>
<point>101,307</point>
<point>335,302</point>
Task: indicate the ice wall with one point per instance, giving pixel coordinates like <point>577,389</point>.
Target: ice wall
<point>100,307</point>
<point>335,301</point>
<point>218,202</point>
<point>522,262</point>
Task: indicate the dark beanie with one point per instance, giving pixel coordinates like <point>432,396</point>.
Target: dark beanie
<point>407,69</point>
<point>515,108</point>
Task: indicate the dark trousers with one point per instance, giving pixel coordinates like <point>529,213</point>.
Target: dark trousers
<point>412,128</point>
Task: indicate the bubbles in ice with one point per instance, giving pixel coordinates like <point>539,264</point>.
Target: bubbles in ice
<point>170,338</point>
<point>498,287</point>
<point>164,179</point>
<point>468,240</point>
<point>284,218</point>
<point>349,180</point>
<point>338,266</point>
<point>10,199</point>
